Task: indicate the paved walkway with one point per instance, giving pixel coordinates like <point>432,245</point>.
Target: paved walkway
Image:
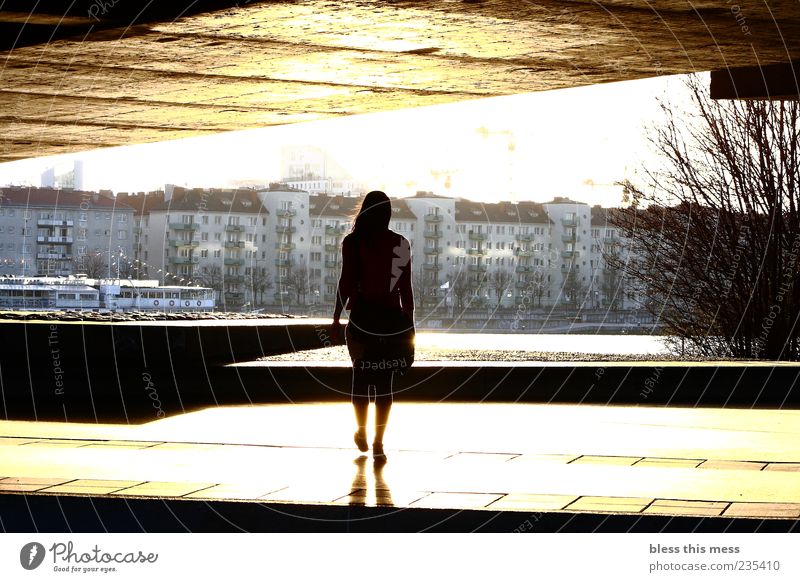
<point>531,458</point>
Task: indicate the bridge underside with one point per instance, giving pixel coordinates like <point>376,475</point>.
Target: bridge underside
<point>85,75</point>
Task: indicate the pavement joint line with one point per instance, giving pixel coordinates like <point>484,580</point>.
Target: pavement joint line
<point>150,445</point>
<point>601,508</point>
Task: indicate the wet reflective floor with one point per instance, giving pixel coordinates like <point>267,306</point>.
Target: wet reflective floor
<point>520,457</point>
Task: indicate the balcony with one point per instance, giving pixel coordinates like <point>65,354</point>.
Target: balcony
<point>334,230</point>
<point>53,222</point>
<point>523,252</point>
<point>59,240</point>
<point>611,241</point>
<point>54,256</point>
<point>184,225</point>
<point>568,237</point>
<point>524,237</point>
<point>476,252</point>
<point>283,262</point>
<point>569,220</point>
<point>432,250</point>
<point>433,218</point>
<point>431,266</point>
<point>285,246</point>
<point>570,254</point>
<point>331,248</point>
<point>234,228</point>
<point>285,213</point>
<point>522,285</point>
<point>234,244</point>
<point>524,269</point>
<point>233,279</point>
<point>282,229</point>
<point>432,234</point>
<point>232,261</point>
<point>331,280</point>
<point>177,242</point>
<point>477,268</point>
<point>477,235</point>
<point>184,260</point>
<point>331,264</point>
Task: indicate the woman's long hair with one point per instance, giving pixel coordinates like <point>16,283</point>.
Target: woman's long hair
<point>374,215</point>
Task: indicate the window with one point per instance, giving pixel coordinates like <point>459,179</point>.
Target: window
<point>204,253</point>
<point>217,254</point>
<point>217,220</point>
<point>204,235</point>
<point>204,219</point>
<point>316,240</point>
<point>217,236</point>
<point>122,234</point>
<point>107,215</point>
<point>122,218</point>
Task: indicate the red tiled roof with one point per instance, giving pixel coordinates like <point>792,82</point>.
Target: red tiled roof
<point>52,198</point>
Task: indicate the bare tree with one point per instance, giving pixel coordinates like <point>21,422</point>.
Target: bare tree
<point>612,285</point>
<point>539,285</point>
<point>574,290</point>
<point>459,285</point>
<point>500,279</point>
<point>211,276</point>
<point>300,283</point>
<point>714,234</point>
<point>93,265</point>
<point>261,282</point>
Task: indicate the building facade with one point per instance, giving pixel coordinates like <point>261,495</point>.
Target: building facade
<point>47,232</point>
<point>281,245</point>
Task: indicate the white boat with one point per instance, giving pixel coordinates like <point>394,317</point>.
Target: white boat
<point>81,293</point>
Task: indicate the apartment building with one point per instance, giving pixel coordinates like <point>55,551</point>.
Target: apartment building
<point>283,245</point>
<point>49,232</point>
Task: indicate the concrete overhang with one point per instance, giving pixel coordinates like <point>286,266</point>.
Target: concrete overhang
<point>91,74</point>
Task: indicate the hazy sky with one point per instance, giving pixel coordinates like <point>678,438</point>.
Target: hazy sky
<point>562,141</point>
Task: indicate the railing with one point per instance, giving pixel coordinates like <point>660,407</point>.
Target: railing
<point>176,242</point>
<point>234,228</point>
<point>431,266</point>
<point>433,218</point>
<point>281,246</point>
<point>477,268</point>
<point>285,213</point>
<point>477,235</point>
<point>569,221</point>
<point>432,234</point>
<point>66,240</point>
<point>234,244</point>
<point>184,260</point>
<point>282,229</point>
<point>232,261</point>
<point>432,250</point>
<point>570,254</point>
<point>54,222</point>
<point>184,225</point>
<point>476,252</point>
<point>524,237</point>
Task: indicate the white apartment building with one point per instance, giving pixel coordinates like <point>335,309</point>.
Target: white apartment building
<point>479,254</point>
<point>48,232</point>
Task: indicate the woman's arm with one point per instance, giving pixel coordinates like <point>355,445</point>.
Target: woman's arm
<point>406,289</point>
<point>344,290</point>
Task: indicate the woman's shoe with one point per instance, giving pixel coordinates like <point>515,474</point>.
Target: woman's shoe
<point>377,450</point>
<point>361,442</point>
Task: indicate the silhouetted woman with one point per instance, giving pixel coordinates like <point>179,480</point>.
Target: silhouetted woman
<point>375,286</point>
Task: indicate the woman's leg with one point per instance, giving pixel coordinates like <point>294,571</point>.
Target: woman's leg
<point>383,405</point>
<point>360,399</point>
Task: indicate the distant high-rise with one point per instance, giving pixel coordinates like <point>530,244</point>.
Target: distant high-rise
<point>67,176</point>
<point>312,169</point>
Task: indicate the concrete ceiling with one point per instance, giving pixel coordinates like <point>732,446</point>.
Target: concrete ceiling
<point>108,73</point>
